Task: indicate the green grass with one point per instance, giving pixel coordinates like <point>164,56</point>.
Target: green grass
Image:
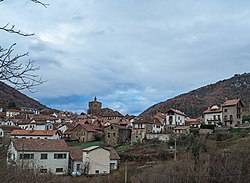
<point>122,148</point>
<point>86,145</point>
<point>239,132</point>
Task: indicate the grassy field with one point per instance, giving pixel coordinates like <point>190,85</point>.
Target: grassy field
<point>85,145</point>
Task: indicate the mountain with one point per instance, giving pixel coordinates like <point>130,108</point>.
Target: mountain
<point>11,97</point>
<point>195,102</point>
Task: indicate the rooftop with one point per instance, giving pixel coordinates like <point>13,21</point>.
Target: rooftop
<point>42,145</point>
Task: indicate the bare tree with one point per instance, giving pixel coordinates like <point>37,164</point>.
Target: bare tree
<point>20,74</point>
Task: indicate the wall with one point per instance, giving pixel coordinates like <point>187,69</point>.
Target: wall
<point>98,159</point>
<point>161,137</point>
<point>50,163</point>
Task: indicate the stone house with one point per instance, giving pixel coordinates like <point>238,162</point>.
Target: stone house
<point>85,133</point>
<point>182,130</point>
<point>140,129</point>
<point>232,112</point>
<point>116,135</point>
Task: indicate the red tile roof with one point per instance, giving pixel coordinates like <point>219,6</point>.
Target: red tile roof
<point>8,129</point>
<point>208,111</point>
<point>87,127</point>
<point>231,102</point>
<point>113,153</point>
<point>41,145</point>
<point>181,127</point>
<point>176,111</point>
<point>76,153</point>
<point>33,132</point>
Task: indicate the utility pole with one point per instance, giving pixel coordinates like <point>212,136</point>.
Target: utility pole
<point>126,171</point>
<point>175,149</point>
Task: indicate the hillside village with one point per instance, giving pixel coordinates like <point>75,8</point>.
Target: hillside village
<point>43,141</point>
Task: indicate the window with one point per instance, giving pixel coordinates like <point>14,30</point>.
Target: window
<point>59,169</point>
<point>225,110</point>
<point>43,170</point>
<point>60,156</point>
<point>78,167</point>
<point>108,134</point>
<point>114,134</point>
<point>170,120</point>
<point>26,156</point>
<point>97,171</point>
<point>44,156</point>
<point>231,117</point>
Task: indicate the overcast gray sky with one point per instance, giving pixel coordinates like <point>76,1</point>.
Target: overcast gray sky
<point>131,54</point>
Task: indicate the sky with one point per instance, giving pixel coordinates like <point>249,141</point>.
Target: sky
<point>130,54</point>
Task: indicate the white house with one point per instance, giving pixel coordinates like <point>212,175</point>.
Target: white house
<point>40,154</point>
<point>91,160</point>
<point>7,122</point>
<point>36,134</point>
<point>96,160</point>
<point>213,116</point>
<point>158,127</point>
<point>1,132</point>
<point>10,113</point>
<point>35,125</point>
<point>31,110</point>
<point>174,118</point>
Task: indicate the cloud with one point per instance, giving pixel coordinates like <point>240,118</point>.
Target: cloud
<point>131,54</point>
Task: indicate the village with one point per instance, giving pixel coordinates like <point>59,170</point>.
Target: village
<point>46,141</point>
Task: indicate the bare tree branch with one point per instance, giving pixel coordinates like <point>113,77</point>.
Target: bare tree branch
<point>21,75</point>
<point>11,29</point>
<point>39,2</point>
<point>36,1</point>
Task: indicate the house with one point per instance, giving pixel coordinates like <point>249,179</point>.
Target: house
<point>78,165</point>
<point>193,123</point>
<point>10,113</point>
<point>140,128</point>
<point>76,161</point>
<point>1,132</point>
<point>114,158</point>
<point>6,130</point>
<point>35,134</point>
<point>213,116</point>
<point>30,110</point>
<point>96,160</point>
<point>158,127</point>
<point>232,112</point>
<point>182,130</point>
<point>116,135</point>
<point>7,122</point>
<point>35,125</point>
<point>40,154</point>
<point>85,133</point>
<point>174,118</point>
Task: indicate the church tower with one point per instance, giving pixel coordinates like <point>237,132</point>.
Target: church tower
<point>94,107</point>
